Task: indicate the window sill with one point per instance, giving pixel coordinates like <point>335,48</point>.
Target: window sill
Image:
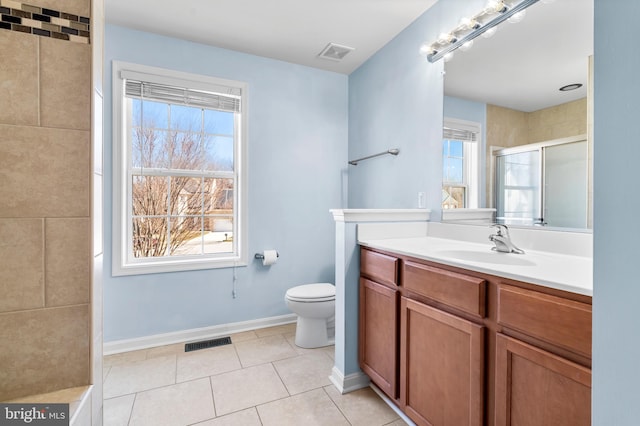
<point>182,265</point>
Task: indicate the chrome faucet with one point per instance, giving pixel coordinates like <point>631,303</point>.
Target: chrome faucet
<point>502,240</point>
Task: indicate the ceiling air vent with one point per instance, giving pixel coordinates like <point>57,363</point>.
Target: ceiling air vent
<point>335,52</point>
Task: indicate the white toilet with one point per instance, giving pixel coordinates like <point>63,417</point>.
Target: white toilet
<point>315,305</point>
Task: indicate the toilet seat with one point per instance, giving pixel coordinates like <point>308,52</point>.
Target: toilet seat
<point>311,293</point>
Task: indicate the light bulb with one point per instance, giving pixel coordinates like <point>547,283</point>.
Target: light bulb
<point>426,49</point>
<point>490,32</point>
<point>444,38</point>
<point>517,17</point>
<point>469,24</point>
<point>466,45</point>
<point>495,6</point>
<point>448,57</point>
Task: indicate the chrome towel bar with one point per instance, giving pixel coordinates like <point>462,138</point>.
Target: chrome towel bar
<point>393,151</point>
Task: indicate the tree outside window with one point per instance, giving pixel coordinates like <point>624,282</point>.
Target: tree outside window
<point>174,212</point>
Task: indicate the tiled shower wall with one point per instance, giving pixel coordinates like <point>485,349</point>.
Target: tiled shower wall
<point>45,200</point>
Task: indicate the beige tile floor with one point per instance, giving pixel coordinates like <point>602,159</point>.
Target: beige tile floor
<point>262,378</point>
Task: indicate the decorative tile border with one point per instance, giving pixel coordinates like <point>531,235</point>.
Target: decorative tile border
<point>15,16</point>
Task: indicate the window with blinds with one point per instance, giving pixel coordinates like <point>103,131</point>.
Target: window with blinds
<point>181,171</point>
<point>459,164</point>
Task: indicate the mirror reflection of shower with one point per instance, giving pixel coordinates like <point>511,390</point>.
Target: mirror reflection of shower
<point>543,184</point>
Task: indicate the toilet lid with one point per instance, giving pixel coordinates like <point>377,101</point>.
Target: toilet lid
<point>318,292</point>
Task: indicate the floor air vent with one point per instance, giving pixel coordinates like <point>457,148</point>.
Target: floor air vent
<point>188,347</point>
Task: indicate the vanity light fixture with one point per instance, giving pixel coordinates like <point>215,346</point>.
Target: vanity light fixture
<point>483,23</point>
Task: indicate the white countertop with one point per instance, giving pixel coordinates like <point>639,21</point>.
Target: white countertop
<point>553,270</point>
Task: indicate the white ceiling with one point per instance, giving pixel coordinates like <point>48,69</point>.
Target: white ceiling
<point>520,67</point>
<point>289,30</point>
<point>524,64</point>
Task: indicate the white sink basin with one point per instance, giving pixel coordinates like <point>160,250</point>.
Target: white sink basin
<point>489,256</point>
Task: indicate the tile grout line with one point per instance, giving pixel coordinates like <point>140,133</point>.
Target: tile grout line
<point>135,397</point>
<point>175,371</point>
<point>258,413</point>
<point>104,376</point>
<point>150,389</point>
<point>281,379</point>
<point>336,405</point>
<point>160,387</point>
<point>235,348</point>
<point>213,398</point>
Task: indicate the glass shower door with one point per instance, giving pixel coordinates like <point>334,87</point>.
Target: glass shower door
<point>565,184</point>
<point>518,187</point>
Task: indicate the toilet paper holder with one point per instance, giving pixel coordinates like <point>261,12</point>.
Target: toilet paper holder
<point>261,256</point>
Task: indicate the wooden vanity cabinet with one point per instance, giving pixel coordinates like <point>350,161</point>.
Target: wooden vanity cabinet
<point>378,319</point>
<point>542,382</point>
<point>457,347</point>
<point>441,352</point>
<point>441,366</point>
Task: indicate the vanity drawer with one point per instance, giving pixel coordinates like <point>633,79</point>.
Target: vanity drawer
<point>457,290</point>
<point>562,322</point>
<point>379,267</point>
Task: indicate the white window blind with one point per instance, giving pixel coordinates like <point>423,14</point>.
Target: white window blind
<point>183,96</point>
<point>161,88</point>
<point>460,134</point>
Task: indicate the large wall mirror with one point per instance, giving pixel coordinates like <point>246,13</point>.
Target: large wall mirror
<point>504,110</point>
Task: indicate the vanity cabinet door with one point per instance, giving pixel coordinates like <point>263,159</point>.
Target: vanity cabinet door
<point>378,337</point>
<point>535,387</point>
<point>441,366</point>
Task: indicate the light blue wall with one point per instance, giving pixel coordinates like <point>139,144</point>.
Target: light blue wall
<point>616,228</point>
<point>297,148</point>
<point>396,101</point>
<point>464,109</point>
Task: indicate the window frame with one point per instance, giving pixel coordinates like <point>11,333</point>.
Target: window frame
<point>464,184</point>
<point>123,262</point>
<point>471,160</point>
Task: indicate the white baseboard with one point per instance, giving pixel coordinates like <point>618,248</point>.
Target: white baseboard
<point>350,382</point>
<point>194,334</point>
